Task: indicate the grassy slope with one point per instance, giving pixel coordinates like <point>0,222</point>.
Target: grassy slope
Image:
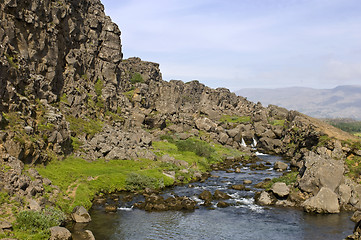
<point>80,181</point>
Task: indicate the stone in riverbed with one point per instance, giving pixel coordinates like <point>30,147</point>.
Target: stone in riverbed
<point>356,217</point>
<point>221,195</point>
<point>111,208</point>
<point>280,166</point>
<point>247,182</point>
<point>59,233</point>
<point>239,187</point>
<point>80,215</point>
<point>222,204</point>
<point>264,199</point>
<point>280,189</point>
<point>206,195</point>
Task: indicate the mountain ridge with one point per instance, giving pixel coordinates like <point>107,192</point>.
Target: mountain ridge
<point>343,101</point>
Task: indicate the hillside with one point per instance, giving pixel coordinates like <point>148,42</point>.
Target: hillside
<point>77,121</point>
<point>339,102</point>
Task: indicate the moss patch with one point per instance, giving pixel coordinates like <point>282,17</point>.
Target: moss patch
<point>235,119</point>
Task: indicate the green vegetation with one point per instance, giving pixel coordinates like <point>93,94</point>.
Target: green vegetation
<point>33,225</point>
<point>167,137</point>
<point>80,180</point>
<point>323,140</point>
<point>136,78</point>
<point>200,148</point>
<point>235,119</point>
<point>76,143</point>
<point>129,94</point>
<point>87,126</point>
<point>4,198</point>
<point>278,122</point>
<point>98,86</point>
<point>354,166</point>
<point>12,61</point>
<point>114,116</point>
<point>199,159</point>
<point>288,178</point>
<point>136,181</point>
<point>347,125</point>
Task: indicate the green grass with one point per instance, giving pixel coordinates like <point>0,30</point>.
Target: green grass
<point>346,125</point>
<point>201,163</point>
<point>289,178</point>
<point>90,178</point>
<point>235,119</point>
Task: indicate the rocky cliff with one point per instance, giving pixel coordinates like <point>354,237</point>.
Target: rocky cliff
<point>65,89</point>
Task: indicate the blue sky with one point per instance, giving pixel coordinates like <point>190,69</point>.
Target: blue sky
<point>245,43</point>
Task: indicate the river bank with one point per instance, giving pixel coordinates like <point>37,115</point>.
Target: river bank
<point>242,219</point>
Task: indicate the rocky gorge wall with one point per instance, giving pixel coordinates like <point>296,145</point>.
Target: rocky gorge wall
<point>66,89</point>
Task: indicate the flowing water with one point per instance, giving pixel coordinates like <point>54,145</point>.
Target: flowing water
<point>243,220</point>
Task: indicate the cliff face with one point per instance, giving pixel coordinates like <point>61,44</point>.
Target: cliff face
<point>65,89</point>
<point>53,47</point>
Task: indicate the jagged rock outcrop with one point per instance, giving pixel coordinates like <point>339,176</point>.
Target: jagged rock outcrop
<point>66,89</point>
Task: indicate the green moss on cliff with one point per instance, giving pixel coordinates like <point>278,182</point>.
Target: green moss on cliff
<point>137,78</point>
<point>235,119</point>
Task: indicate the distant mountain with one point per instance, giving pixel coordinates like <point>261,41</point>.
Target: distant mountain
<point>340,102</point>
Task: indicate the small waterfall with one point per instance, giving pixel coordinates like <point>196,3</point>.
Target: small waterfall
<point>243,143</point>
<point>254,144</point>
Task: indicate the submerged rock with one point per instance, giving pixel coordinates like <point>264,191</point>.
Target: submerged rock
<point>222,204</point>
<point>206,195</point>
<point>221,195</point>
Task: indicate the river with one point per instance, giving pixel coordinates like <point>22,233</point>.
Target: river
<point>243,220</point>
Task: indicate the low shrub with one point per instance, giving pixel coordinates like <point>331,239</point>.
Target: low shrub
<point>34,221</point>
<point>202,149</point>
<point>135,181</point>
<point>136,78</point>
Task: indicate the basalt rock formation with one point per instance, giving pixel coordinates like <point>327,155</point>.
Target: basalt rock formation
<point>66,89</point>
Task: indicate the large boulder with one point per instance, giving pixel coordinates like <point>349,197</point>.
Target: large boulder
<point>80,215</point>
<point>205,124</point>
<point>325,201</point>
<point>206,195</point>
<point>280,189</point>
<point>264,199</point>
<point>280,166</point>
<point>321,171</point>
<point>59,233</point>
